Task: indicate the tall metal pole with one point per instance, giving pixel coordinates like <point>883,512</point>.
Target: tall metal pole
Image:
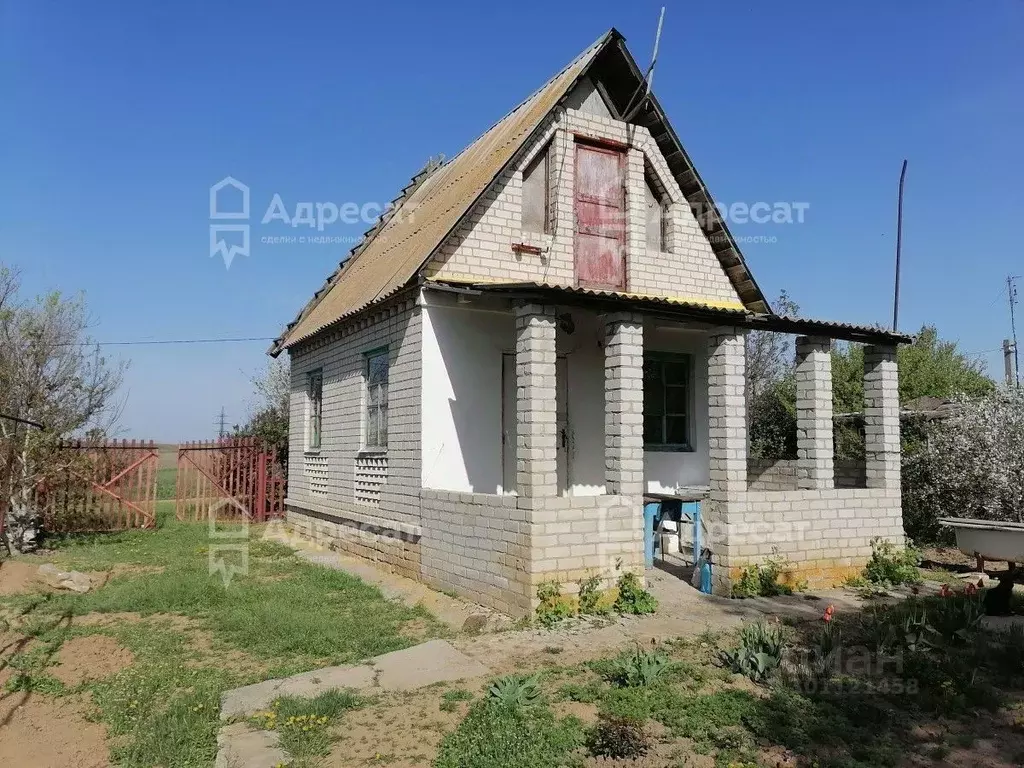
<point>1011,289</point>
<point>899,249</point>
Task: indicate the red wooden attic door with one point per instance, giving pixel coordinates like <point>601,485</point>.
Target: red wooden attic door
<point>600,217</point>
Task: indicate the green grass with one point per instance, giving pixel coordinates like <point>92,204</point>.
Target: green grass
<point>496,736</point>
<point>281,617</point>
<point>304,724</point>
<point>166,482</point>
<point>450,699</point>
<point>283,606</point>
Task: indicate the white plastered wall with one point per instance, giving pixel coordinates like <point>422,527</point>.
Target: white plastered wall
<point>461,417</point>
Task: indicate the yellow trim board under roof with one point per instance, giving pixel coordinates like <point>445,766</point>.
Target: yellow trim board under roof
<point>691,300</point>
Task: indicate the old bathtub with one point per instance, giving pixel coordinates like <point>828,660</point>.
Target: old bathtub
<point>987,539</point>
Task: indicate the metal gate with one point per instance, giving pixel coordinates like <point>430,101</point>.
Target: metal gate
<point>108,486</point>
<point>229,479</point>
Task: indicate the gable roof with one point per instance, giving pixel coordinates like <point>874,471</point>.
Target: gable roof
<point>431,207</point>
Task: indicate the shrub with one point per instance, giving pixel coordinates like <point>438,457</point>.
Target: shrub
<point>638,669</point>
<point>970,466</point>
<point>762,580</point>
<point>590,595</point>
<point>891,566</point>
<point>619,737</point>
<point>633,599</point>
<point>553,606</point>
<point>759,653</point>
<point>515,691</point>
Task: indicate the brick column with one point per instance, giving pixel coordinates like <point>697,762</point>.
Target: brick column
<point>815,449</point>
<point>536,446</point>
<point>881,417</point>
<point>727,414</point>
<point>624,404</point>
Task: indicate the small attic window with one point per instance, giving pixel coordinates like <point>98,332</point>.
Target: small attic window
<point>657,219</point>
<point>536,194</point>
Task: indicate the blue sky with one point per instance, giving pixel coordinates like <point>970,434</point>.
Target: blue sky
<point>118,117</point>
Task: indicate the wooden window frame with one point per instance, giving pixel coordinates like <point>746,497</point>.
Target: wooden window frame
<point>314,410</point>
<point>672,357</point>
<point>543,156</point>
<point>381,408</point>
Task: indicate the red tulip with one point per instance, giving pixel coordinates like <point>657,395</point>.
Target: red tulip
<point>944,591</point>
<point>971,589</point>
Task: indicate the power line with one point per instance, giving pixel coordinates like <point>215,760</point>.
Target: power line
<point>141,342</point>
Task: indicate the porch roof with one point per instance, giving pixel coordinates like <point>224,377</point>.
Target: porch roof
<point>677,308</point>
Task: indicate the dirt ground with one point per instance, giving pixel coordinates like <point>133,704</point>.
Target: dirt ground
<point>43,732</point>
<point>92,657</point>
<point>17,577</point>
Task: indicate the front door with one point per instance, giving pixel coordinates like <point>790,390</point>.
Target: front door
<point>508,423</point>
<point>600,217</point>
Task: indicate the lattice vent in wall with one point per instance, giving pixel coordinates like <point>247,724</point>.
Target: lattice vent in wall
<point>316,474</point>
<point>371,472</point>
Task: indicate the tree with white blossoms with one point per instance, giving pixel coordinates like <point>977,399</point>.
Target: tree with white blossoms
<point>972,465</point>
<point>50,374</point>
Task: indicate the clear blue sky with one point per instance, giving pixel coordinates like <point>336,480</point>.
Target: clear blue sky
<point>117,117</point>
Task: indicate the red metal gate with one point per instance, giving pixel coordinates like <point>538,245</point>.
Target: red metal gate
<point>229,479</point>
<point>108,486</point>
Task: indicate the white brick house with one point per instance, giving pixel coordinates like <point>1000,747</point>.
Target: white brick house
<point>544,329</point>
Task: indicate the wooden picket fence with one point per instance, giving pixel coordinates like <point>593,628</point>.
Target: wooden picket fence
<point>108,486</point>
<point>229,479</point>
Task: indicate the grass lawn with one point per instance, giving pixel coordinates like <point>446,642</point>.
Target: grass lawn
<point>192,637</point>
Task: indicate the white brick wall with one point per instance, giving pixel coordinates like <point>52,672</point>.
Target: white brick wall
<point>496,550</point>
<point>341,355</point>
<point>482,248</point>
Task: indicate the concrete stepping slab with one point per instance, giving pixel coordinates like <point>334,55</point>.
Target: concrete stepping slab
<point>432,662</point>
<point>239,746</point>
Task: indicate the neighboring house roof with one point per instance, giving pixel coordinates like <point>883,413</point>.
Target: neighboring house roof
<point>392,253</point>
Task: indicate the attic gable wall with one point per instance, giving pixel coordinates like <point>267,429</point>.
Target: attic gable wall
<point>481,249</point>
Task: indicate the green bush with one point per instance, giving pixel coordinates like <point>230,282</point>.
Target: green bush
<point>639,668</point>
<point>590,595</point>
<point>515,691</point>
<point>759,653</point>
<point>633,599</point>
<point>891,566</point>
<point>553,606</point>
<point>762,580</point>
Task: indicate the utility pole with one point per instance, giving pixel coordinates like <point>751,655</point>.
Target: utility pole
<point>1008,362</point>
<point>1011,290</point>
<point>899,250</point>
